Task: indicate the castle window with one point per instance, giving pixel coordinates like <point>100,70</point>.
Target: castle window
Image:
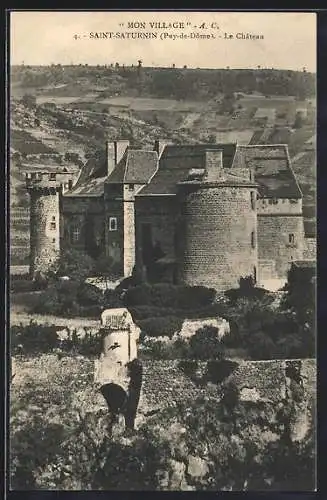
<point>52,177</point>
<point>293,201</point>
<point>291,239</point>
<point>53,218</point>
<point>253,200</point>
<point>131,187</point>
<point>53,240</point>
<point>52,226</point>
<point>252,239</point>
<point>113,224</point>
<point>70,184</point>
<point>75,234</point>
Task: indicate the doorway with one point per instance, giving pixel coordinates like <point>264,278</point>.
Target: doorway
<point>147,245</point>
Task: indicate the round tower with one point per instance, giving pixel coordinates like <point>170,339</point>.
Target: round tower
<point>45,189</point>
<point>219,244</point>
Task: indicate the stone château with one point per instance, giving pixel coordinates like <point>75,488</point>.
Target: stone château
<point>203,214</point>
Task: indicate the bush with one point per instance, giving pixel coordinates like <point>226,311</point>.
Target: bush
<point>33,339</point>
<point>189,367</point>
<point>89,295</point>
<point>168,295</point>
<point>36,339</point>
<point>73,263</point>
<point>23,283</point>
<point>218,371</point>
<point>161,326</point>
<point>247,290</point>
<point>70,298</point>
<point>111,299</point>
<point>204,344</point>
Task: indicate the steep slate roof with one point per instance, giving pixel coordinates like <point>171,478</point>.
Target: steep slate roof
<point>271,165</point>
<point>93,187</point>
<point>140,166</point>
<point>136,166</point>
<point>272,169</point>
<point>176,162</point>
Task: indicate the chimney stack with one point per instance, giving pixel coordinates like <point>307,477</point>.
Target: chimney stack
<point>213,164</point>
<point>114,152</point>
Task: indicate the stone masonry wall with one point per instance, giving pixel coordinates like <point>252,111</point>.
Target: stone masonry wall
<point>274,243</point>
<point>114,240</point>
<point>166,384</point>
<point>44,226</point>
<point>310,249</point>
<point>219,222</point>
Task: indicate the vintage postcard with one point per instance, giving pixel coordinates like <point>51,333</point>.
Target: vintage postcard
<point>162,251</point>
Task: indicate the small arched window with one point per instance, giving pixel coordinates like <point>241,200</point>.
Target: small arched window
<point>253,239</point>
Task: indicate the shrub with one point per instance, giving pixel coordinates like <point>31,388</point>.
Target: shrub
<point>218,371</point>
<point>248,290</point>
<point>204,344</point>
<point>89,295</point>
<point>33,338</point>
<point>168,295</point>
<point>161,326</point>
<point>111,299</point>
<point>189,367</point>
<point>36,339</point>
<point>73,263</point>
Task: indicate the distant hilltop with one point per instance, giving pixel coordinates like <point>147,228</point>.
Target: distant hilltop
<point>169,82</point>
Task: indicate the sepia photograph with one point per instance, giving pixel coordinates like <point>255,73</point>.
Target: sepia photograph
<point>162,251</point>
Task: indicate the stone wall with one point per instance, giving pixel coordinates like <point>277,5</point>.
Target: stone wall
<point>310,248</point>
<point>274,240</point>
<point>165,384</point>
<point>114,240</point>
<point>219,223</point>
<point>87,215</point>
<point>44,227</point>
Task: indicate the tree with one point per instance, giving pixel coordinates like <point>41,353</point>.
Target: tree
<point>107,268</point>
<point>204,344</point>
<point>75,264</point>
<point>29,100</point>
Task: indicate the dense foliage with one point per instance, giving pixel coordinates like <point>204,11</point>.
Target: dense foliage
<point>35,339</point>
<point>167,295</point>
